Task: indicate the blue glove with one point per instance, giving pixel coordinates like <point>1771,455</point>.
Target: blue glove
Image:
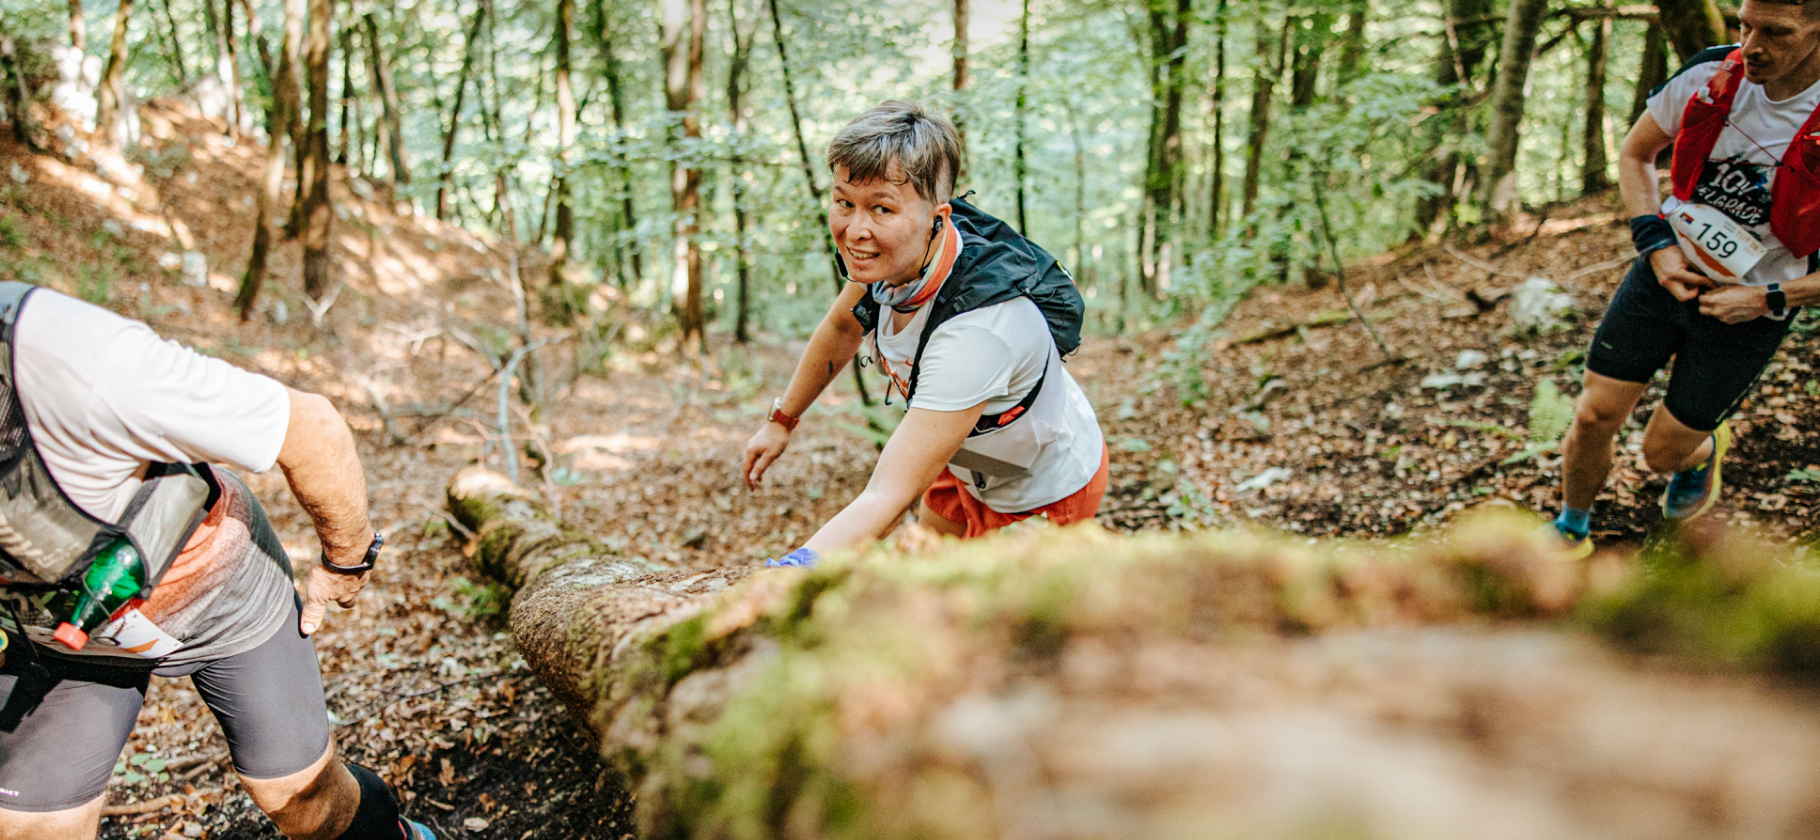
<point>801,558</point>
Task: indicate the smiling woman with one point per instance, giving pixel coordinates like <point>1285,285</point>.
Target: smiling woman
<point>970,321</point>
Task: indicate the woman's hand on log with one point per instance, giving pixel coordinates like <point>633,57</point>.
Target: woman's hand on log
<point>770,442</point>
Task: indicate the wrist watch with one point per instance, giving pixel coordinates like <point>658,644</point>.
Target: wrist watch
<point>366,565</point>
<point>1777,299</point>
<point>778,416</point>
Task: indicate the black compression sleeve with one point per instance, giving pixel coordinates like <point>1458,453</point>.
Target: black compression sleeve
<point>377,816</point>
<point>1651,233</point>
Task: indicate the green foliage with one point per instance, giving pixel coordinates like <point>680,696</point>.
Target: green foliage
<point>469,600</point>
<point>95,284</point>
<point>1550,415</point>
<point>12,232</point>
<point>880,421</point>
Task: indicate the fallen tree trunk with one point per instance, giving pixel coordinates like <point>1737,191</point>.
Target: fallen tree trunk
<point>1073,683</point>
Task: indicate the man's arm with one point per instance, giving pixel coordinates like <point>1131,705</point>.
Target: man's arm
<point>1642,197</point>
<point>913,458</point>
<point>323,469</point>
<point>835,341</point>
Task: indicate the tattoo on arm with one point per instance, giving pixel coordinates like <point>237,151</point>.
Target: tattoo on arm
<point>830,370</point>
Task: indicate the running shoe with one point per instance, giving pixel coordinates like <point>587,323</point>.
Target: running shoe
<point>1692,493</point>
<point>1569,546</point>
<point>418,831</point>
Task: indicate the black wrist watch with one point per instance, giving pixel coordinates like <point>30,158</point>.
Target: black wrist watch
<point>365,565</point>
<point>1777,300</point>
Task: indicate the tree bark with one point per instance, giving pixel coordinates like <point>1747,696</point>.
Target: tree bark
<point>284,111</point>
<point>176,44</point>
<point>961,81</point>
<point>1352,48</point>
<point>1019,169</point>
<point>350,102</point>
<point>1652,72</point>
<point>112,89</point>
<point>1272,43</point>
<point>1462,48</point>
<point>445,172</point>
<point>220,30</point>
<point>628,224</point>
<point>78,27</point>
<point>743,31</point>
<point>1499,187</point>
<point>565,141</point>
<point>318,215</point>
<point>1163,170</point>
<point>1216,188</point>
<point>1691,25</point>
<point>388,101</point>
<point>683,83</point>
<point>1593,176</point>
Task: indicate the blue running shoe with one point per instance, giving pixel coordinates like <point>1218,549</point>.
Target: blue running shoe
<point>415,830</point>
<point>1692,493</point>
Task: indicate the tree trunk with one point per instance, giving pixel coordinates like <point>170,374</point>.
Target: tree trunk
<point>17,99</point>
<point>284,110</point>
<point>961,106</point>
<point>1216,188</point>
<point>1691,25</point>
<point>112,89</point>
<point>236,96</point>
<point>219,30</point>
<point>388,101</point>
<point>1309,45</point>
<point>1593,177</point>
<point>815,192</point>
<point>1272,43</point>
<point>565,141</point>
<point>350,101</point>
<point>445,172</point>
<point>1019,168</point>
<point>1464,40</point>
<point>743,32</point>
<point>176,44</point>
<point>1498,189</point>
<point>318,215</point>
<point>683,83</point>
<point>616,97</point>
<point>78,27</point>
<point>1163,169</point>
<point>1352,48</point>
<point>1000,688</point>
<point>1652,72</point>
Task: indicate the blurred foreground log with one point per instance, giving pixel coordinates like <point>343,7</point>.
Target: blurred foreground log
<point>1072,683</point>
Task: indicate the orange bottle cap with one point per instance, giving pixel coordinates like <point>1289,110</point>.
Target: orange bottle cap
<point>71,636</point>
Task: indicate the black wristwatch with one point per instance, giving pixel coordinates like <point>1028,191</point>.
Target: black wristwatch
<point>365,565</point>
<point>1777,300</point>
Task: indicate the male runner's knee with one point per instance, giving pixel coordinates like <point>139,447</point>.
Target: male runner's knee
<point>1593,413</point>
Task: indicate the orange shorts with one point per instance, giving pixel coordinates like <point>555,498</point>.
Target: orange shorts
<point>949,500</point>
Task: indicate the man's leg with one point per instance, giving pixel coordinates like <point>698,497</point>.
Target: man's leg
<point>315,803</point>
<point>1670,446</point>
<point>59,738</point>
<point>1586,452</point>
<point>82,821</point>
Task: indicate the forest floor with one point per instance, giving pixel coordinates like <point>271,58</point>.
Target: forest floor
<point>1282,416</point>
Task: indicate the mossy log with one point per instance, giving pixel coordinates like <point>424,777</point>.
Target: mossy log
<point>1073,683</point>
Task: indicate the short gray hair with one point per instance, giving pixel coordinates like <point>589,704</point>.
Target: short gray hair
<point>1810,9</point>
<point>926,148</point>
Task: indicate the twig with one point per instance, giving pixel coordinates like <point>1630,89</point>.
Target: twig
<point>1604,266</point>
<point>1477,263</point>
<point>450,519</point>
<point>175,800</point>
<point>505,399</point>
<point>1339,268</point>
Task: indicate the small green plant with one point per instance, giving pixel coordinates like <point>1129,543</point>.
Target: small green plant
<point>94,284</point>
<point>881,421</point>
<point>1804,475</point>
<point>470,600</point>
<point>12,233</point>
<point>1550,413</point>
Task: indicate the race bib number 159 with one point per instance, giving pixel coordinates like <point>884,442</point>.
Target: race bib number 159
<point>1715,245</point>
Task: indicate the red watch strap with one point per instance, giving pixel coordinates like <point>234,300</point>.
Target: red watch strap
<point>780,418</point>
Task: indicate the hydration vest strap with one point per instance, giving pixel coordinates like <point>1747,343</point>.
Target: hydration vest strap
<point>994,422</point>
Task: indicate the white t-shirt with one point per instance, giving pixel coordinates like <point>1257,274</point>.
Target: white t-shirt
<point>104,396</point>
<point>996,354</point>
<point>1743,164</point>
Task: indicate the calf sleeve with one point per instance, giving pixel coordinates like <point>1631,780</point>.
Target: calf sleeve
<point>377,817</point>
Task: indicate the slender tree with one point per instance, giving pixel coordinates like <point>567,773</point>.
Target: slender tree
<point>381,69</point>
<point>1499,188</point>
<point>1691,25</point>
<point>219,30</point>
<point>1593,175</point>
<point>565,141</point>
<point>284,109</point>
<point>1216,167</point>
<point>1352,47</point>
<point>1465,39</point>
<point>349,101</point>
<point>1163,168</point>
<point>961,107</point>
<point>685,28</point>
<point>446,170</point>
<point>318,215</point>
<point>17,110</point>
<point>1652,72</point>
<point>112,90</point>
<point>78,27</point>
<point>628,221</point>
<point>744,31</point>
<point>1021,170</point>
<point>1271,44</point>
<point>175,41</point>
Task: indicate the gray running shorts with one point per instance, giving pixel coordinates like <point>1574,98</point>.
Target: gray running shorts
<point>60,736</point>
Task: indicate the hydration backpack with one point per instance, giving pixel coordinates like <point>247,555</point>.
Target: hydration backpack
<point>996,264</point>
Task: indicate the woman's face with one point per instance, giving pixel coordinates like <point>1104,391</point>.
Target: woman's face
<point>882,227</point>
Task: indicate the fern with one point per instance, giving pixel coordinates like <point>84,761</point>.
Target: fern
<point>1550,413</point>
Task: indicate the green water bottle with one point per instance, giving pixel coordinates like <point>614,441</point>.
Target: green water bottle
<point>111,586</point>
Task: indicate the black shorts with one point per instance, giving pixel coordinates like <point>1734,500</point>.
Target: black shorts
<point>60,736</point>
<point>1715,363</point>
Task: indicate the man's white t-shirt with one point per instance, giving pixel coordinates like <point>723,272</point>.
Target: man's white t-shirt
<point>1743,164</point>
<point>104,396</point>
<point>995,355</point>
